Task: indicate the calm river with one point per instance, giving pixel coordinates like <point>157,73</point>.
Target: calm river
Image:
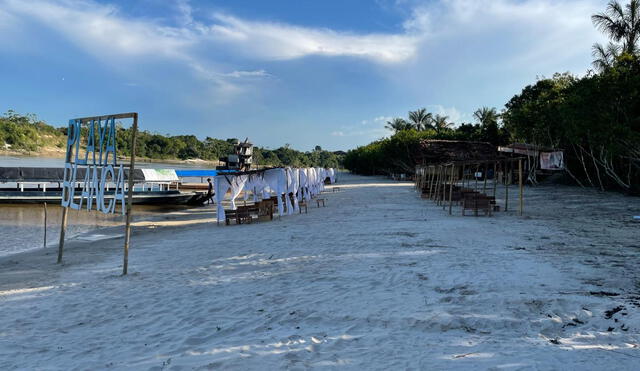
<point>22,226</point>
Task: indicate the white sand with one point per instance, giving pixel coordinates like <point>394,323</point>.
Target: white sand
<point>379,279</point>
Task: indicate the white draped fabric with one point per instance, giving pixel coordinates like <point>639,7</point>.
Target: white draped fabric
<point>302,183</point>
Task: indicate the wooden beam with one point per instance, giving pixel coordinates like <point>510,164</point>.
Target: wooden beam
<point>127,228</point>
<point>129,115</point>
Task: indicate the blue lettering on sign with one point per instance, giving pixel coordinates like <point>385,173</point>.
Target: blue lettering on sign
<point>100,183</point>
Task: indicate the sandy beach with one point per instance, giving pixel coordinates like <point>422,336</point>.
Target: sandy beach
<point>378,279</point>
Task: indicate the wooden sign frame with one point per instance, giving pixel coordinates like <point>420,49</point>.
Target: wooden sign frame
<point>129,211</point>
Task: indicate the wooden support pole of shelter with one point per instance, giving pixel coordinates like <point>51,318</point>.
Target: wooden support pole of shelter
<point>475,176</point>
<point>436,177</point>
<point>484,175</point>
<point>127,228</point>
<point>435,184</point>
<point>506,186</point>
<point>437,195</point>
<point>441,186</point>
<point>451,189</point>
<point>431,179</point>
<point>495,179</point>
<point>521,184</point>
<point>444,189</point>
<point>45,225</point>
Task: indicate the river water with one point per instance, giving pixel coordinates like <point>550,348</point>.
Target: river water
<point>22,226</point>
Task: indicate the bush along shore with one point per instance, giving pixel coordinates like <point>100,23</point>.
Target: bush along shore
<point>26,135</point>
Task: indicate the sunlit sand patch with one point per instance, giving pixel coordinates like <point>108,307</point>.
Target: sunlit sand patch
<point>25,291</point>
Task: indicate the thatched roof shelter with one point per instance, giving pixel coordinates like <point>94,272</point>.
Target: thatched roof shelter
<point>441,151</point>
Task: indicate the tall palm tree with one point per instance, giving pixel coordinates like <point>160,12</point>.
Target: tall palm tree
<point>421,119</point>
<point>605,57</point>
<point>486,116</point>
<point>398,124</point>
<point>622,25</point>
<point>441,123</point>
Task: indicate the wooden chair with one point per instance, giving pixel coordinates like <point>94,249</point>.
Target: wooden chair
<point>265,209</point>
<point>302,204</point>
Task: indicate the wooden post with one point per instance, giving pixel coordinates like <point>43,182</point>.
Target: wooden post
<point>441,185</point>
<point>63,228</point>
<point>438,185</point>
<point>475,177</point>
<point>506,187</point>
<point>444,189</point>
<point>432,176</point>
<point>463,168</point>
<point>436,176</point>
<point>127,228</point>
<point>521,184</point>
<point>451,190</point>
<point>484,175</point>
<point>495,179</point>
<point>45,225</point>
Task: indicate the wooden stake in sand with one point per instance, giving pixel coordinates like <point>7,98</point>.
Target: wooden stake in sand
<point>127,228</point>
<point>63,228</point>
<point>45,225</point>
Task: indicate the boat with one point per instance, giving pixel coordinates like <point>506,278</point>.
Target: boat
<point>19,185</point>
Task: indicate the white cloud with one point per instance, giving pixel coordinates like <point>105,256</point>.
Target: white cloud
<point>533,31</point>
<point>370,129</point>
<point>453,113</point>
<point>240,74</point>
<point>382,119</point>
<point>99,28</point>
<point>276,41</point>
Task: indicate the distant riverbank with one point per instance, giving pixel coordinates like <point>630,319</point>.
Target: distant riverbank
<point>49,155</point>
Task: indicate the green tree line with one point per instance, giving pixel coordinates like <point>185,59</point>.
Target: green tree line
<point>25,133</point>
<point>595,118</point>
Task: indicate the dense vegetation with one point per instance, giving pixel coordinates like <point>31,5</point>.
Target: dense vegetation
<point>594,118</point>
<point>25,133</point>
<point>397,153</point>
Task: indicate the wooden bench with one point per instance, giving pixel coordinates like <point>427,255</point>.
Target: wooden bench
<point>320,201</point>
<point>242,214</point>
<point>476,202</point>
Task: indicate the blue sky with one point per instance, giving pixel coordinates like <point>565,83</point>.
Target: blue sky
<point>324,72</point>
